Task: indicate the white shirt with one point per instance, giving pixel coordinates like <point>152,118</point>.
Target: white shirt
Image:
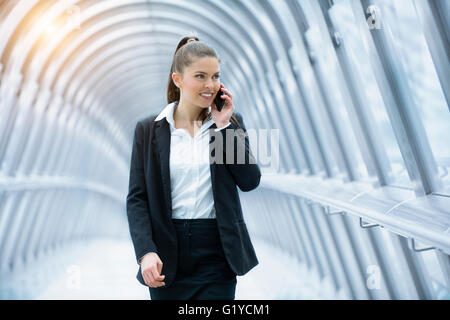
<point>190,175</point>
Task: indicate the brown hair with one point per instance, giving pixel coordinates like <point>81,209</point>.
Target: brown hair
<point>188,49</point>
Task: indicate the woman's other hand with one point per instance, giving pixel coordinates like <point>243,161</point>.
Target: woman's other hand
<point>151,267</point>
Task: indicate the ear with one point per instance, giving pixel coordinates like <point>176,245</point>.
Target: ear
<point>176,79</point>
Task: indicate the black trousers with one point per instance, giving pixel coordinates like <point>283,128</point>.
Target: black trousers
<point>203,273</point>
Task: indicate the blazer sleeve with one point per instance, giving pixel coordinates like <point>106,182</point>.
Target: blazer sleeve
<point>138,211</point>
<point>246,175</point>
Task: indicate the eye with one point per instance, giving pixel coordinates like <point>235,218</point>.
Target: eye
<point>216,76</point>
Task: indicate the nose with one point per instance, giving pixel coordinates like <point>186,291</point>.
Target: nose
<point>210,84</point>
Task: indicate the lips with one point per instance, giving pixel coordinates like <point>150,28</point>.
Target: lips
<point>208,95</point>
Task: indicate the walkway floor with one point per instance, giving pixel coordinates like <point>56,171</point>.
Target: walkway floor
<point>106,269</point>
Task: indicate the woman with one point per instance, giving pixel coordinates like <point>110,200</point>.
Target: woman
<point>183,209</point>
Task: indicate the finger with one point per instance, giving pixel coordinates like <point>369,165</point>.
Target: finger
<point>150,276</point>
<point>157,283</point>
<point>153,282</point>
<point>227,98</point>
<point>147,279</point>
<point>227,92</point>
<point>156,275</point>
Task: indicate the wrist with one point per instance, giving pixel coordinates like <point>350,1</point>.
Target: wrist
<point>145,256</point>
<point>222,124</point>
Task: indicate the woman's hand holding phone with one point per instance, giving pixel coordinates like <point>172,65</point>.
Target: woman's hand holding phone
<point>222,115</point>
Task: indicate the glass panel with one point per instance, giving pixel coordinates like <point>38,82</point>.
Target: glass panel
<point>357,50</point>
<point>325,55</point>
<point>422,79</point>
<point>435,273</point>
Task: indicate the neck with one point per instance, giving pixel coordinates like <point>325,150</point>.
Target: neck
<point>187,113</point>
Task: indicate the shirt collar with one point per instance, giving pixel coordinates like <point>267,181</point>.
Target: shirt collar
<point>167,113</point>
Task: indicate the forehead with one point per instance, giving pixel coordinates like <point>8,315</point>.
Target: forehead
<point>205,64</point>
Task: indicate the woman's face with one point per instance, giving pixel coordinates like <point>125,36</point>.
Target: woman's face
<point>198,80</point>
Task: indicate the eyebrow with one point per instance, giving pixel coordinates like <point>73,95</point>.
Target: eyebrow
<point>205,72</point>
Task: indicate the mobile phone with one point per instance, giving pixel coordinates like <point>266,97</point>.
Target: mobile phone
<point>218,100</point>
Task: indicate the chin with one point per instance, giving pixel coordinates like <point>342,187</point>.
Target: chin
<point>205,105</point>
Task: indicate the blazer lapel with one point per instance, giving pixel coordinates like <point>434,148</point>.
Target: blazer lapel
<point>212,166</point>
<point>163,138</point>
<point>162,133</point>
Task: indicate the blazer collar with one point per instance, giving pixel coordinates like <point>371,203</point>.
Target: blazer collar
<point>162,138</point>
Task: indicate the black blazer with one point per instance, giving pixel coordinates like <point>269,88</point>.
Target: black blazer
<point>149,201</point>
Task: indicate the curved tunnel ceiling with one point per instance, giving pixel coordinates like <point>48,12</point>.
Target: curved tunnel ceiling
<point>114,67</point>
